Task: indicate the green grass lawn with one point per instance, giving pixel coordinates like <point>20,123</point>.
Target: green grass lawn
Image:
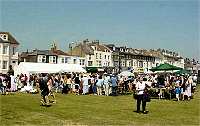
<point>25,109</point>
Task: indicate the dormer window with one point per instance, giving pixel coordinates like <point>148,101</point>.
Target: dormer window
<point>4,37</point>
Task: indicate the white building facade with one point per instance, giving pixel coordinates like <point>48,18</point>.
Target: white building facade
<point>8,52</point>
<point>71,60</point>
<point>102,57</point>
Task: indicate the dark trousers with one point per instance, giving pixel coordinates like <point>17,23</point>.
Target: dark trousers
<point>139,100</point>
<point>114,91</point>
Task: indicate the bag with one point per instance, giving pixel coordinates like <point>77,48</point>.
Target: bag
<point>146,97</point>
<point>134,95</point>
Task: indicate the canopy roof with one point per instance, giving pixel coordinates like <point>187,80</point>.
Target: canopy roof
<point>126,73</point>
<point>165,67</point>
<point>28,67</point>
<point>183,71</point>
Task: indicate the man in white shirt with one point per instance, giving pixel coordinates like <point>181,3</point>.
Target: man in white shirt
<point>140,86</point>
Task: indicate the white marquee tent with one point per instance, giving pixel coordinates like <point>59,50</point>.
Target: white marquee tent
<point>31,68</point>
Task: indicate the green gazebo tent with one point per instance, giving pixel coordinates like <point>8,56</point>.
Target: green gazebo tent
<point>183,71</point>
<point>165,67</point>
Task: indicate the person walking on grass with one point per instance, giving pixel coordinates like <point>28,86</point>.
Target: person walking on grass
<point>44,91</point>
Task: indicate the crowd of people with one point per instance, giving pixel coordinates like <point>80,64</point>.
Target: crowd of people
<point>97,84</point>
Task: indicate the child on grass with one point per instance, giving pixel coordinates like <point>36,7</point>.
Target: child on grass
<point>177,91</point>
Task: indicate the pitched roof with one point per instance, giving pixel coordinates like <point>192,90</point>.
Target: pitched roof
<point>44,52</point>
<point>59,52</point>
<point>11,39</point>
<point>82,50</point>
<point>99,47</point>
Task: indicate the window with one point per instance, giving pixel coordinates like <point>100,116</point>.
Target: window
<point>14,50</point>
<point>5,37</point>
<point>105,56</point>
<point>96,55</point>
<point>90,57</point>
<point>135,63</point>
<point>108,63</point>
<point>99,63</point>
<point>89,63</point>
<point>74,61</point>
<point>108,57</point>
<point>83,62</point>
<point>5,49</point>
<point>5,64</point>
<point>41,59</point>
<point>52,59</point>
<point>66,60</point>
<point>140,64</point>
<point>123,63</point>
<point>129,63</point>
<point>144,64</point>
<point>13,61</point>
<point>100,55</point>
<point>44,59</point>
<point>63,60</point>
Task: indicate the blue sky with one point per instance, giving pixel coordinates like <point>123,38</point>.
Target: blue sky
<point>138,24</point>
